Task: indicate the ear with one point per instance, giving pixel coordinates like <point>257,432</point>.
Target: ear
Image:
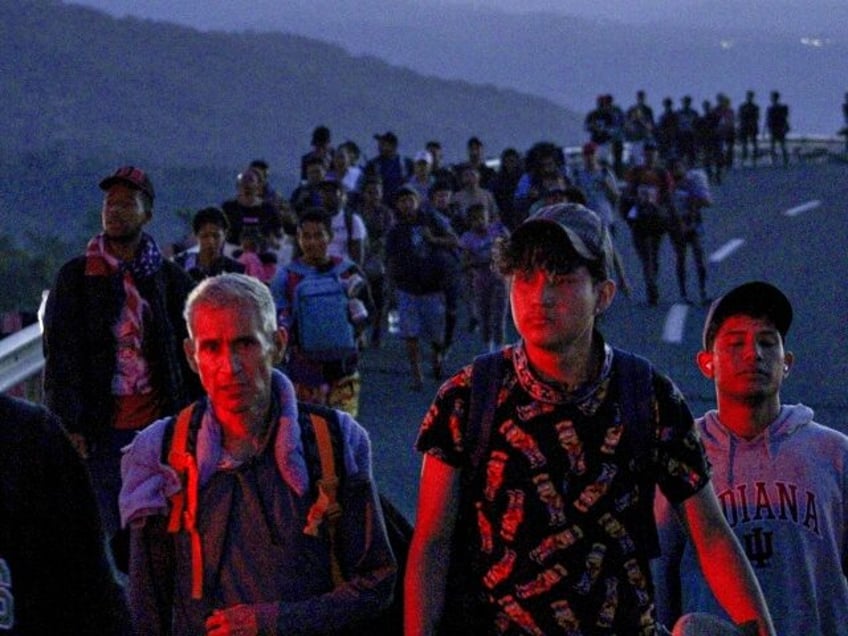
<point>606,292</point>
<point>788,361</point>
<point>281,341</point>
<point>705,364</point>
<point>188,348</point>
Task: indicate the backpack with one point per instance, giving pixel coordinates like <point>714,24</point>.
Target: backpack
<point>320,309</point>
<point>634,377</point>
<point>322,445</point>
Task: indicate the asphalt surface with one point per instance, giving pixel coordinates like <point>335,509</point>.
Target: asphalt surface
<point>788,226</point>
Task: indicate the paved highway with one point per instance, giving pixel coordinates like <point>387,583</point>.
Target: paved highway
<point>785,225</point>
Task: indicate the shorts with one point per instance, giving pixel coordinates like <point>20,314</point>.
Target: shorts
<point>422,316</point>
<point>342,394</point>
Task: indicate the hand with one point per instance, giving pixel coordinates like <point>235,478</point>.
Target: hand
<point>78,442</point>
<point>239,620</point>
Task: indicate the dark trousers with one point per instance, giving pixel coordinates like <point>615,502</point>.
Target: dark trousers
<point>647,245</point>
<point>681,240</point>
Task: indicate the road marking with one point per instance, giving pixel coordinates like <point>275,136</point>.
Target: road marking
<point>674,323</point>
<point>726,250</point>
<point>804,207</point>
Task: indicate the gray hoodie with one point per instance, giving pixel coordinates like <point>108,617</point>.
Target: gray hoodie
<point>784,495</point>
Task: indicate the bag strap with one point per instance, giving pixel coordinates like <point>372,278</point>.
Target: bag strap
<point>634,376</point>
<point>486,377</point>
<point>326,506</point>
<point>183,514</point>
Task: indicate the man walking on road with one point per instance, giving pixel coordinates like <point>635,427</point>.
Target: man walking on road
<point>555,529</point>
<point>113,331</point>
<point>780,477</point>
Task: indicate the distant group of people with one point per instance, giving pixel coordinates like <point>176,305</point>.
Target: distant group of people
<point>707,138</point>
<point>200,437</point>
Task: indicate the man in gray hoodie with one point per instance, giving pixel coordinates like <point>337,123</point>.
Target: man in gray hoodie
<point>779,476</point>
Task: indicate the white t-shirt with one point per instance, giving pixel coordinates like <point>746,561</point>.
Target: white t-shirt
<point>338,245</point>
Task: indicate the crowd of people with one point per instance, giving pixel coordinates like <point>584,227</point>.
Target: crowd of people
<point>195,407</point>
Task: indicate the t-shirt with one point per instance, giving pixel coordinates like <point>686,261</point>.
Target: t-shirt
<point>338,245</point>
<point>563,533</point>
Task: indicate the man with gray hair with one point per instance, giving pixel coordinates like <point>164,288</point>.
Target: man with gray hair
<point>254,554</point>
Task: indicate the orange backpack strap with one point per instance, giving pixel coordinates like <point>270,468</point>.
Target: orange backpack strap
<point>326,506</point>
<point>183,514</point>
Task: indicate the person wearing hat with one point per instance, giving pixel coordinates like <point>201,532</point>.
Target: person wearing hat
<point>541,460</point>
<point>781,477</point>
<point>393,169</point>
<point>113,334</point>
<point>421,178</point>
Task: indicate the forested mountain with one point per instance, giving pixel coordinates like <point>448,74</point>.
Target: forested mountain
<point>84,91</point>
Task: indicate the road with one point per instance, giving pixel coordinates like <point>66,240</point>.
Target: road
<point>788,226</point>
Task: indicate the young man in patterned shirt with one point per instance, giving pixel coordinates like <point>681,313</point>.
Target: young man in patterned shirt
<point>560,526</point>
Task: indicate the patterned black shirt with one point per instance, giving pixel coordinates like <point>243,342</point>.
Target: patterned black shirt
<point>563,531</point>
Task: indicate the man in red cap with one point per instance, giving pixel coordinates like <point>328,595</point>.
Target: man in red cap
<point>113,332</point>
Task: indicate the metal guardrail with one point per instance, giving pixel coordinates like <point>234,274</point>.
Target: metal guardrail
<point>21,354</point>
<point>21,357</point>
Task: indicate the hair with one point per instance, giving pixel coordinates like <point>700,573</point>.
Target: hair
<point>316,215</point>
<point>537,247</point>
<point>576,194</point>
<point>212,214</point>
<point>228,290</point>
<point>320,135</point>
<point>474,209</point>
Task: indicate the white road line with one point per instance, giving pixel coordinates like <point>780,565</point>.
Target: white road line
<point>726,250</point>
<point>674,323</point>
<point>804,207</point>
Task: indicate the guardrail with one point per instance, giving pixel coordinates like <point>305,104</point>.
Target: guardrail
<point>22,360</point>
<point>21,363</point>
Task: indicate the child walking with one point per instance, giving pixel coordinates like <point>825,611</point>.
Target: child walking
<point>488,288</point>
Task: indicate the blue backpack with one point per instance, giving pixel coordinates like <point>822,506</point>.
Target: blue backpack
<point>320,310</point>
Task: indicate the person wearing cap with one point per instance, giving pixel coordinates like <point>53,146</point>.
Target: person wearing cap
<point>419,248</point>
<point>569,441</point>
<point>393,169</point>
<point>780,477</point>
<point>210,227</point>
<point>421,178</point>
<point>113,333</point>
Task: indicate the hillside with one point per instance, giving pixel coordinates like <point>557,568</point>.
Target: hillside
<point>83,91</point>
<point>699,47</point>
